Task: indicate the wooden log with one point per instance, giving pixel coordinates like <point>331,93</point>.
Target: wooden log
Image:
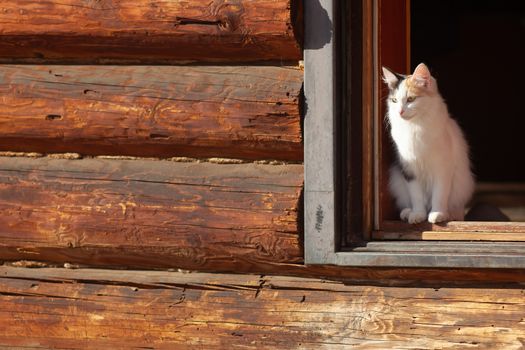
<point>154,111</point>
<point>98,212</point>
<point>149,213</point>
<point>207,217</point>
<point>150,30</point>
<point>77,309</point>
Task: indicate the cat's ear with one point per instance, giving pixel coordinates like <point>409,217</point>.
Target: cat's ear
<point>390,78</point>
<point>421,76</point>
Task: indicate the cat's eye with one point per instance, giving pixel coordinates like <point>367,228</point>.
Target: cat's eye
<point>411,98</point>
<point>393,99</point>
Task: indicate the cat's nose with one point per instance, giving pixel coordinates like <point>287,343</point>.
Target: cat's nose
<point>401,112</point>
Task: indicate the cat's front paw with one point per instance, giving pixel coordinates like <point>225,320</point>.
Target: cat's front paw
<point>415,217</point>
<point>437,216</point>
<point>405,213</point>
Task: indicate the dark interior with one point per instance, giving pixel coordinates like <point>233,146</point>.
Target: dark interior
<point>476,52</point>
<point>475,49</point>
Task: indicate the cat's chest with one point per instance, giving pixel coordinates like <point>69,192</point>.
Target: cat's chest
<point>412,145</point>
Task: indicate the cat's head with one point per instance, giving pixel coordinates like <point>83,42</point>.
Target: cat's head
<point>408,92</point>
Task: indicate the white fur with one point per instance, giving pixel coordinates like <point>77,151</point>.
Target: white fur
<point>431,146</point>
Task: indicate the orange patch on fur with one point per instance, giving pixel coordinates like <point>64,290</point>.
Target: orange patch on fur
<point>413,88</point>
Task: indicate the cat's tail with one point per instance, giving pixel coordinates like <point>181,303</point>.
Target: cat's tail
<point>399,188</point>
<point>462,189</point>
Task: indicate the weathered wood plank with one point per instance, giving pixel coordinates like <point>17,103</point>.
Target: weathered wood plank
<point>50,308</point>
<point>149,213</point>
<point>452,231</point>
<point>150,30</point>
<point>160,111</point>
<point>456,226</point>
<point>450,236</point>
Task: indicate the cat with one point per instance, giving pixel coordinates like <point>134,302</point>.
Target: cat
<point>433,179</point>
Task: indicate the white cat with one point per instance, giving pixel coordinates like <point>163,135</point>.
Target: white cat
<point>433,179</point>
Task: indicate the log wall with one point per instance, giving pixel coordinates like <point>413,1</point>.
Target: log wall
<point>221,187</point>
<point>210,91</point>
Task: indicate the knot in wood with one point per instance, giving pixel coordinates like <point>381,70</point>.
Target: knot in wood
<point>70,240</point>
<point>228,13</point>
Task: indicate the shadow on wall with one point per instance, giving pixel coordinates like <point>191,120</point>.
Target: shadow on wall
<point>318,33</point>
<point>319,30</point>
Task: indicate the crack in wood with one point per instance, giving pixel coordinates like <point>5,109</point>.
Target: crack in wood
<point>189,21</point>
<point>53,117</point>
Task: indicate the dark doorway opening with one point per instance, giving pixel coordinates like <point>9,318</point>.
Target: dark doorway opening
<point>476,50</point>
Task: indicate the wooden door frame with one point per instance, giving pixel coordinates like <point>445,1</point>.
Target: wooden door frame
<point>392,49</point>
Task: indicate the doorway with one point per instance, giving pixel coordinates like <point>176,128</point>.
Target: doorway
<point>476,51</point>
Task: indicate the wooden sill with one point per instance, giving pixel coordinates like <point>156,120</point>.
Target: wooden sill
<point>452,231</point>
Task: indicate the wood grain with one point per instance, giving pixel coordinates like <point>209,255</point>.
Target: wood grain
<point>78,309</point>
<point>150,30</point>
<point>149,213</point>
<point>154,111</point>
<point>457,226</point>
